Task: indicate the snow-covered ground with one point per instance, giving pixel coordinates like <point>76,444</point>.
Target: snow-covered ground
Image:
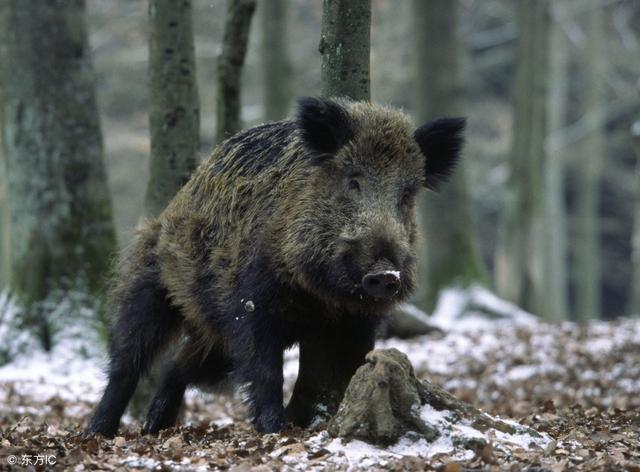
<point>490,352</point>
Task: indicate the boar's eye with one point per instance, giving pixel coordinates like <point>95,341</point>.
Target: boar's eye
<point>354,185</point>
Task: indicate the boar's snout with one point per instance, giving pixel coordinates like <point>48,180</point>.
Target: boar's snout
<point>382,281</point>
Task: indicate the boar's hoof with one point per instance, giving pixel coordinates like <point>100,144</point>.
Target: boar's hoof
<point>270,423</point>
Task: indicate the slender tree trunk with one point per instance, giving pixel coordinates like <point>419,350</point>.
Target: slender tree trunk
<point>518,261</point>
<point>230,63</point>
<point>345,44</point>
<point>5,217</point>
<point>449,255</point>
<point>62,233</point>
<point>635,241</point>
<point>346,23</point>
<point>276,66</point>
<point>174,108</point>
<point>555,249</point>
<point>174,124</point>
<point>588,275</point>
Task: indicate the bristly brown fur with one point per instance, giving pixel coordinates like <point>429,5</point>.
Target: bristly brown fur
<point>266,246</point>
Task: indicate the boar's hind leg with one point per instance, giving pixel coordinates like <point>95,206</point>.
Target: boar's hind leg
<point>144,324</point>
<point>165,405</point>
<point>177,375</point>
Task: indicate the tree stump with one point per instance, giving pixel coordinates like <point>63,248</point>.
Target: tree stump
<point>385,401</point>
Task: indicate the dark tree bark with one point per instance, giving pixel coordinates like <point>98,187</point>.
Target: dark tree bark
<point>62,233</point>
<point>449,256</point>
<point>345,44</point>
<point>518,261</point>
<point>325,373</point>
<point>230,64</point>
<point>276,66</point>
<point>174,109</point>
<point>174,124</point>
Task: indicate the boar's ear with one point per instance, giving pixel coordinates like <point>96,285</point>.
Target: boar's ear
<point>324,124</point>
<point>441,143</point>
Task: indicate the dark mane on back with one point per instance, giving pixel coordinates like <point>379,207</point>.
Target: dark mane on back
<point>249,152</point>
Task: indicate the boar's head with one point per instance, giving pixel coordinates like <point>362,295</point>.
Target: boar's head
<point>352,232</point>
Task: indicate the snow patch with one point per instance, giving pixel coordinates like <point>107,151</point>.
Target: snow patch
<point>466,309</point>
<point>393,273</point>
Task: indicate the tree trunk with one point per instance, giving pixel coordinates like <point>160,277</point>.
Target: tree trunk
<point>174,113</point>
<point>587,247</point>
<point>276,66</point>
<point>62,233</point>
<point>230,63</point>
<point>555,249</point>
<point>5,216</point>
<point>518,260</point>
<point>635,241</point>
<point>345,45</point>
<point>5,241</point>
<point>449,256</point>
<point>174,124</point>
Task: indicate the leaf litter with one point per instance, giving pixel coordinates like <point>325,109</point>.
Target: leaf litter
<point>575,384</point>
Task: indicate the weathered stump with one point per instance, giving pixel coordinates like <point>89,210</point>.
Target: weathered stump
<point>384,401</point>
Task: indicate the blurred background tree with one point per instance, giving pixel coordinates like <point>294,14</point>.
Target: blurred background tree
<point>588,266</point>
<point>174,106</point>
<point>274,52</point>
<point>634,297</point>
<point>62,233</point>
<point>449,256</point>
<point>519,256</point>
<point>5,218</point>
<point>555,246</point>
<point>230,65</point>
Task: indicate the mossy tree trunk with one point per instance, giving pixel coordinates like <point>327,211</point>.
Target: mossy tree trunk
<point>634,306</point>
<point>518,259</point>
<point>588,275</point>
<point>276,67</point>
<point>230,64</point>
<point>449,256</point>
<point>174,124</point>
<point>555,227</point>
<point>174,108</point>
<point>62,232</point>
<point>345,45</point>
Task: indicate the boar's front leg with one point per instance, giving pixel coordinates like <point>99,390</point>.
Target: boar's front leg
<point>258,356</point>
<point>329,356</point>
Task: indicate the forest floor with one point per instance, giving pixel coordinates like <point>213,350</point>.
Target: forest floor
<point>577,384</point>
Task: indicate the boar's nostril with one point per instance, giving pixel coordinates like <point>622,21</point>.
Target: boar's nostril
<point>383,284</point>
